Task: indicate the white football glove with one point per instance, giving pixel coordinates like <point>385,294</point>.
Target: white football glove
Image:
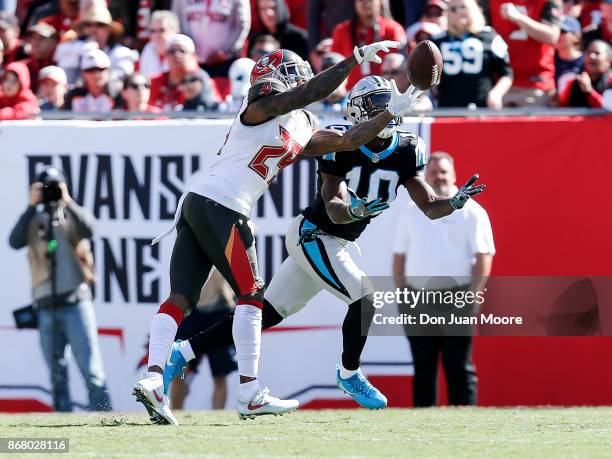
<point>367,53</point>
<point>402,104</point>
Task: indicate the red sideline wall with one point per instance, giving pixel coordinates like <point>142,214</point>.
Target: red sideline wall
<point>550,205</point>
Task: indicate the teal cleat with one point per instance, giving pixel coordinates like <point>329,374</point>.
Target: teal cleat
<point>360,390</point>
<point>174,367</point>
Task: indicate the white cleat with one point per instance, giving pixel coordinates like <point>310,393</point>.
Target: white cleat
<point>150,392</point>
<point>263,403</point>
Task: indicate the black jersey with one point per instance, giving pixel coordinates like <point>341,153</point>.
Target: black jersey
<point>472,65</point>
<point>370,175</point>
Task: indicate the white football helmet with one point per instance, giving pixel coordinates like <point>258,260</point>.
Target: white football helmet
<point>368,98</point>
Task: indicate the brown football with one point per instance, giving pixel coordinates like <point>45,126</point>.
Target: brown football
<point>425,65</point>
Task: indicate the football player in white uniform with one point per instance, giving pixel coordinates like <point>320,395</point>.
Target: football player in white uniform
<point>317,239</point>
<point>269,132</point>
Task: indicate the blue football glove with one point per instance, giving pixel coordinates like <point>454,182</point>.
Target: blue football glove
<point>360,209</point>
<point>466,192</point>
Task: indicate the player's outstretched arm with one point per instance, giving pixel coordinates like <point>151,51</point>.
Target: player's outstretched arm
<point>433,205</point>
<point>325,141</point>
<point>315,89</point>
<point>329,140</point>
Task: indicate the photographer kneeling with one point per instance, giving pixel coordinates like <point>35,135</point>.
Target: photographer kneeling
<point>57,231</point>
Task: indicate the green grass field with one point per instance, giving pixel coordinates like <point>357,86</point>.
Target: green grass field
<point>442,432</point>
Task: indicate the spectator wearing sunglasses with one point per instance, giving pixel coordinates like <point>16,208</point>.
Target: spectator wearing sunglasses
<point>197,89</point>
<point>166,89</point>
<point>568,56</point>
<point>96,94</point>
<point>136,93</point>
<point>164,25</point>
<point>476,67</point>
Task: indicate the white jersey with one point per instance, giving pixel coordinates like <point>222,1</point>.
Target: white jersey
<point>251,157</point>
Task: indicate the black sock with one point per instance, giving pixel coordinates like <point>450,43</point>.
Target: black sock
<point>354,332</point>
<point>220,333</point>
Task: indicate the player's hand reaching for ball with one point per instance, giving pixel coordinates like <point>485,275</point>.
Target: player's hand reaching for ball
<point>367,53</point>
<point>400,103</point>
<point>466,192</point>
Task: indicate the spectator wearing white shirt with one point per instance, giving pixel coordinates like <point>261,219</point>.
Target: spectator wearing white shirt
<point>96,94</point>
<point>218,28</point>
<point>451,253</point>
<point>164,25</point>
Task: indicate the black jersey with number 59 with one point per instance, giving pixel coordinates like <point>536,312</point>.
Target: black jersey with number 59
<point>370,175</point>
<point>472,65</point>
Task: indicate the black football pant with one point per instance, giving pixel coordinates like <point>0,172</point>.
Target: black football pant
<point>456,354</point>
<point>209,234</point>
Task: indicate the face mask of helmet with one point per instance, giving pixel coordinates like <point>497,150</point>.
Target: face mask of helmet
<point>294,73</point>
<point>367,106</point>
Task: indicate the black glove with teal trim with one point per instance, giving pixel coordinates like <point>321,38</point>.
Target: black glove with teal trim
<point>466,192</point>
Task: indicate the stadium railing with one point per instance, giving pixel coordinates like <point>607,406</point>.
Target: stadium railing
<point>441,113</point>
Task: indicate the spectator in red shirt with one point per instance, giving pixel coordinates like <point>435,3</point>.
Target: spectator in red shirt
<point>368,26</point>
<point>299,12</point>
<point>17,101</point>
<point>531,30</point>
<point>43,40</point>
<point>586,89</point>
<point>164,25</point>
<point>14,48</point>
<point>64,19</point>
<point>166,91</point>
<point>136,94</point>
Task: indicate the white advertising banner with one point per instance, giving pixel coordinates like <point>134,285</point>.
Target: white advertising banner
<point>131,175</point>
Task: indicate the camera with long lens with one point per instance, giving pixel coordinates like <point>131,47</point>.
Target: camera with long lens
<point>51,178</point>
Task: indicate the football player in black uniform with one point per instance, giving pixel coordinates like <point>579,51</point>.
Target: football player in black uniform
<point>353,188</point>
<point>476,63</point>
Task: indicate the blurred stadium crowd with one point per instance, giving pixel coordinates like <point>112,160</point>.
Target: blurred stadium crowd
<point>157,56</point>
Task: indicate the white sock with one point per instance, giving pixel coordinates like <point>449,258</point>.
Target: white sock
<point>161,336</point>
<point>247,390</point>
<point>246,330</point>
<point>186,350</point>
<point>345,374</point>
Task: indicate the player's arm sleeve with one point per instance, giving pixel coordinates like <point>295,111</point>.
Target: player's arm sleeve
<point>500,57</point>
<point>332,164</point>
<point>481,235</point>
<point>551,13</point>
<point>419,158</point>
